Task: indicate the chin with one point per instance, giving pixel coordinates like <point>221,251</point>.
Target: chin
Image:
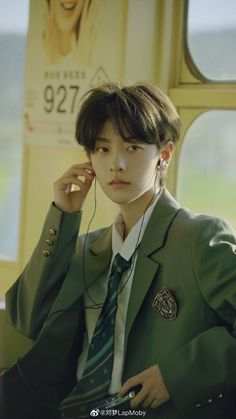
<point>122,197</point>
<point>119,200</point>
<point>122,200</point>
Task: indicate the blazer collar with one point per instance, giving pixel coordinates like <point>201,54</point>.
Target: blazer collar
<point>161,218</point>
<point>102,246</point>
<point>159,223</point>
<point>100,251</point>
<point>147,266</point>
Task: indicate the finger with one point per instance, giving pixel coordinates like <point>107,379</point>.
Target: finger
<point>85,176</point>
<point>131,382</point>
<point>149,400</point>
<point>88,175</point>
<point>79,183</point>
<point>84,179</point>
<point>155,404</point>
<point>85,185</point>
<point>63,183</point>
<point>139,398</point>
<point>84,166</point>
<point>76,171</point>
<point>88,183</point>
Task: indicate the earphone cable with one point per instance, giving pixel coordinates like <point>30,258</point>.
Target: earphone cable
<point>96,305</point>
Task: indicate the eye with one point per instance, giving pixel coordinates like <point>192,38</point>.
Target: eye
<point>134,147</point>
<point>101,149</point>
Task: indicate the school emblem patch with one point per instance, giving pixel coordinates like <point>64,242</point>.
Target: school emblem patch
<point>165,304</point>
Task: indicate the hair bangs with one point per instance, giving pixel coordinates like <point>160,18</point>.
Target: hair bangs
<point>139,112</point>
<point>129,119</point>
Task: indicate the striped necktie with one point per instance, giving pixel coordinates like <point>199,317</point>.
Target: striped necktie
<point>96,377</point>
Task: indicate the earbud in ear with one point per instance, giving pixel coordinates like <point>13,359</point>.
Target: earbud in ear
<point>162,164</point>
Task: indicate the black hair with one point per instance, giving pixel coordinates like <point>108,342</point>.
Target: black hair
<point>142,111</point>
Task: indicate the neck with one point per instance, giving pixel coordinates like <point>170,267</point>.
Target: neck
<point>133,211</point>
<point>66,41</point>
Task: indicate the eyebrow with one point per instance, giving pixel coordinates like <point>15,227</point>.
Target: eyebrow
<point>106,140</point>
<point>128,139</point>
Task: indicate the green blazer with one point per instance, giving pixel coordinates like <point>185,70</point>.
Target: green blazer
<point>192,256</point>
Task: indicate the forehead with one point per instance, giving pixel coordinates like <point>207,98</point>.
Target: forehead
<point>110,132</point>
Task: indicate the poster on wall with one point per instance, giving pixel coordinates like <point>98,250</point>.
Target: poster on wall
<point>72,46</point>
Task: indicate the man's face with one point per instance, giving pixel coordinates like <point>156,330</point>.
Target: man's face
<point>126,170</point>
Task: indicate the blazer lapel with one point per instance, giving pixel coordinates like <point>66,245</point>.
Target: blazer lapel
<point>147,266</point>
<point>98,256</point>
<point>84,270</point>
<point>145,271</point>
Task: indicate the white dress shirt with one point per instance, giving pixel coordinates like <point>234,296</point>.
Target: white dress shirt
<point>98,292</point>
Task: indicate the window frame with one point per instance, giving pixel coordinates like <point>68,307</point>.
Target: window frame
<point>188,60</point>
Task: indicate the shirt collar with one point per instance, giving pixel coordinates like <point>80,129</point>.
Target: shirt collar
<point>127,247</point>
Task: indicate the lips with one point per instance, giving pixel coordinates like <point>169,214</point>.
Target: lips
<point>118,182</point>
<point>68,6</point>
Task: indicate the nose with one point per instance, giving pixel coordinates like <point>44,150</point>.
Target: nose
<point>117,162</point>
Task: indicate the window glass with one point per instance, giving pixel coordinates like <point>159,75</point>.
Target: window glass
<point>13,27</point>
<point>207,169</point>
<point>211,34</point>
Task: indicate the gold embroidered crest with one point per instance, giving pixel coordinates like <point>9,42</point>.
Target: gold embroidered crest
<point>165,304</point>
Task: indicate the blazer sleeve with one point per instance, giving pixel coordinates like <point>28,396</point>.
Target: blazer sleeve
<point>31,297</point>
<point>200,371</point>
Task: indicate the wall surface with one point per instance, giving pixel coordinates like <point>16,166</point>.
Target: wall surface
<point>145,48</point>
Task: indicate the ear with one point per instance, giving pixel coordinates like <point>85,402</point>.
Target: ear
<point>167,152</point>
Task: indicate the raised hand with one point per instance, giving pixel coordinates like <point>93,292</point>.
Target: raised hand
<point>71,189</point>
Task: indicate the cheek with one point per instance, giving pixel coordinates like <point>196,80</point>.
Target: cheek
<point>97,166</point>
<point>148,169</point>
<point>93,164</point>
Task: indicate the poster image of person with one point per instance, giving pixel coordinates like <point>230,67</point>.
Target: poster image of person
<point>70,28</point>
<point>67,54</point>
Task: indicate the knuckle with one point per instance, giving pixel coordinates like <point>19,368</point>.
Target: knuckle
<point>75,167</point>
<point>129,382</point>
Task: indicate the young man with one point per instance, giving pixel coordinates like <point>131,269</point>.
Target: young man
<point>161,320</point>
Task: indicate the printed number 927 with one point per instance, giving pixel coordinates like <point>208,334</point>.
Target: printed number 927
<point>62,98</point>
